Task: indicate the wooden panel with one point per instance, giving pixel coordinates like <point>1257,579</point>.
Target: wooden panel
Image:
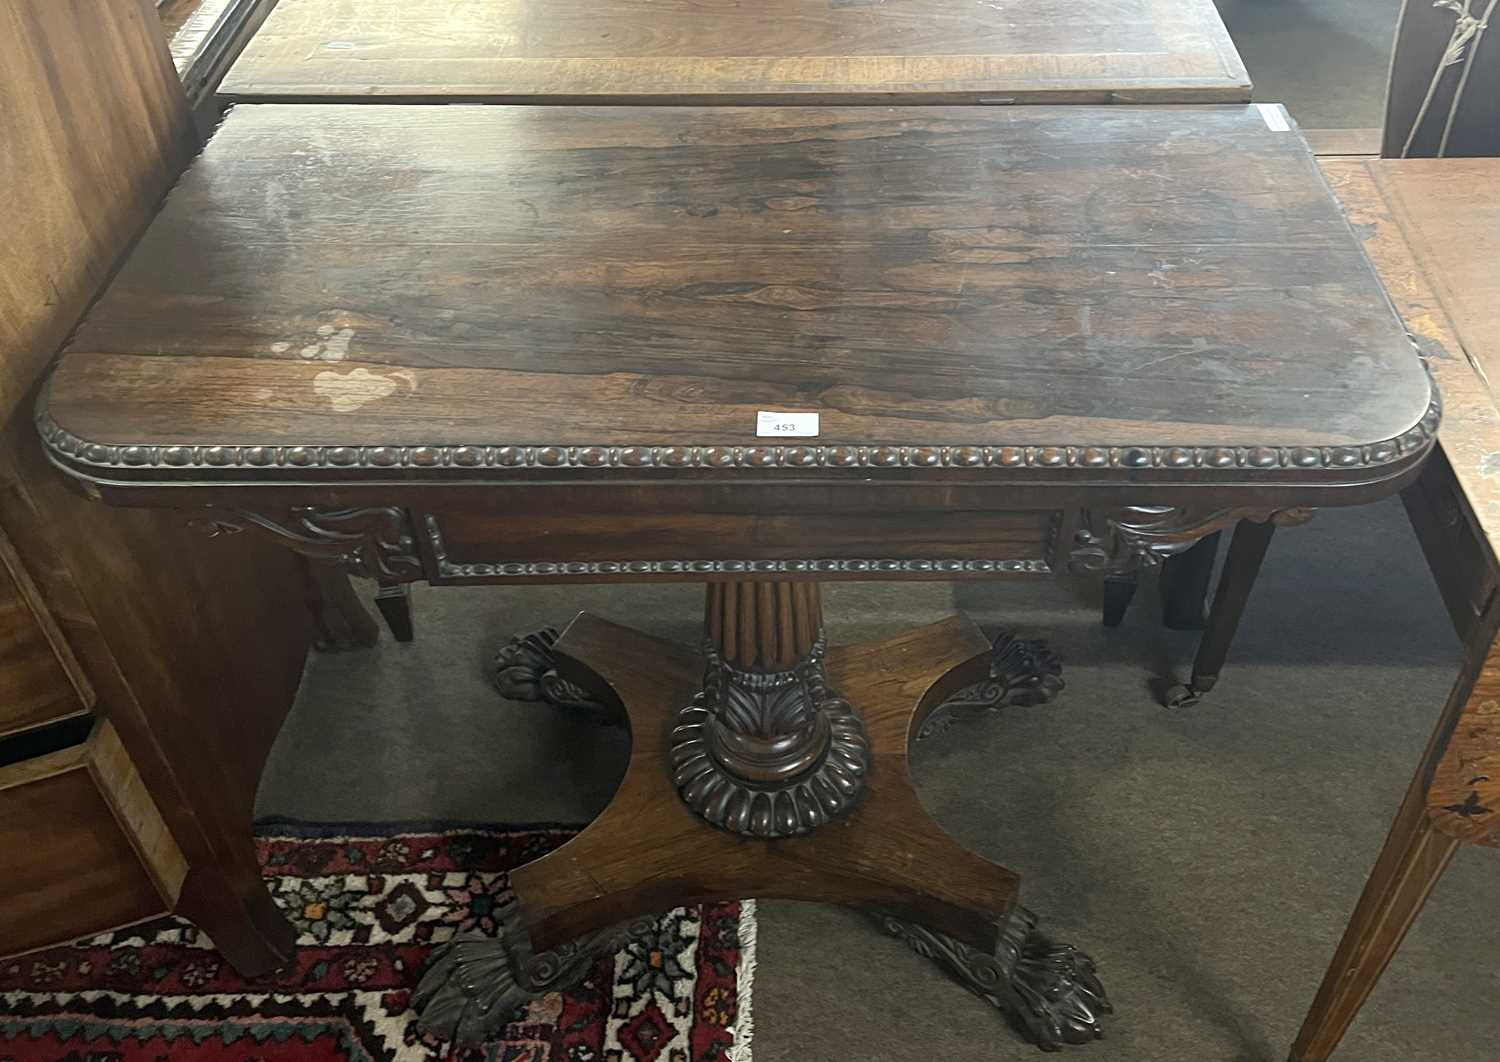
<point>70,867</point>
<point>724,51</point>
<point>609,544</point>
<point>40,679</point>
<point>95,130</point>
<point>581,276</point>
<point>1431,227</point>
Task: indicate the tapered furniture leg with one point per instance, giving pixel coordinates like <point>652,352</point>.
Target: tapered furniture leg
<point>767,765</point>
<point>1413,859</point>
<point>341,618</point>
<point>1247,548</point>
<point>1118,592</point>
<point>394,602</point>
<point>1185,579</point>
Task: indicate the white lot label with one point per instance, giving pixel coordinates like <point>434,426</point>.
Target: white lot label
<point>1275,120</point>
<point>790,425</point>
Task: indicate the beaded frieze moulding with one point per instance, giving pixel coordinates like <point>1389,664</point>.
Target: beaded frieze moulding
<point>72,450</point>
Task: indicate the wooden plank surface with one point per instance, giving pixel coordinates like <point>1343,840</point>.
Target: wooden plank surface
<point>1432,228</point>
<point>396,276</point>
<point>73,201</point>
<point>725,51</point>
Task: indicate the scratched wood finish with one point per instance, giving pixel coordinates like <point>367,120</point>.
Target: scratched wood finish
<point>722,51</point>
<point>883,853</point>
<point>57,249</point>
<point>947,276</point>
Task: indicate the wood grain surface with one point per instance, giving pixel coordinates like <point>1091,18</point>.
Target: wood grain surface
<point>724,51</point>
<point>1432,231</point>
<point>58,249</point>
<point>393,276</point>
<point>882,854</point>
<point>1432,228</point>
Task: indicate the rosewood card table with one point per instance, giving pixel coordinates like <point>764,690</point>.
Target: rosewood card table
<point>508,345</point>
<point>730,52</point>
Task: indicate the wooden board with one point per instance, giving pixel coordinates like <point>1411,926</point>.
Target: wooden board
<point>40,679</point>
<point>725,51</point>
<point>58,249</point>
<point>1433,230</point>
<point>86,849</point>
<point>367,277</point>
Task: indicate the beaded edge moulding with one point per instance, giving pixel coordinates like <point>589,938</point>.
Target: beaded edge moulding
<point>80,452</point>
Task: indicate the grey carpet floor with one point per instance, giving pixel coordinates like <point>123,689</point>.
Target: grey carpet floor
<point>1208,859</point>
<point>1327,60</point>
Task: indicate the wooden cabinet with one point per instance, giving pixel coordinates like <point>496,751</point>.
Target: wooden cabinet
<point>40,678</point>
<point>87,847</point>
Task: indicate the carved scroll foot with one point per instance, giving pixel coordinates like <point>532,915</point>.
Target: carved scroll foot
<point>1023,672</point>
<point>525,669</point>
<point>475,984</point>
<point>1048,990</point>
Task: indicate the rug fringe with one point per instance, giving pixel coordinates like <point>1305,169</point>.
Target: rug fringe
<point>744,1021</point>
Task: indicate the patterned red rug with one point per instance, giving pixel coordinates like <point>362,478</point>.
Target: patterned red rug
<point>369,909</point>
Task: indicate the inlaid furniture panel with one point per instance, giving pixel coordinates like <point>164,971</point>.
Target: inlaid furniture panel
<point>1432,228</point>
<point>533,344</point>
<point>725,52</point>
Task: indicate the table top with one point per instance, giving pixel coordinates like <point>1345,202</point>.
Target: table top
<point>1432,227</point>
<point>726,51</point>
<point>1129,292</point>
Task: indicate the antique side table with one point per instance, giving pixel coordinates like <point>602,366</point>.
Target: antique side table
<point>756,348</point>
<point>727,52</point>
<point>1432,228</point>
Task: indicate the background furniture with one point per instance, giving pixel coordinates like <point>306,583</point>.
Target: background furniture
<point>722,52</point>
<point>134,717</point>
<point>1432,227</point>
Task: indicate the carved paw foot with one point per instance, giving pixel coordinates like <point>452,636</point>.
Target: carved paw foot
<point>475,985</point>
<point>1023,672</point>
<point>525,669</point>
<point>1048,990</point>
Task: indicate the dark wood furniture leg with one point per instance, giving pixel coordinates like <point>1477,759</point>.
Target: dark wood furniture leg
<point>1413,859</point>
<point>1247,548</point>
<point>341,618</point>
<point>1118,592</point>
<point>764,765</point>
<point>1185,580</point>
<point>394,602</point>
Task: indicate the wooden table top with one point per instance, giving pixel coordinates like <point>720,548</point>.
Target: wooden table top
<point>1127,292</point>
<point>726,51</point>
<point>1432,227</point>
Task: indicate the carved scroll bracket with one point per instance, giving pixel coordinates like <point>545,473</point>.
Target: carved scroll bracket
<point>376,542</point>
<point>1142,536</point>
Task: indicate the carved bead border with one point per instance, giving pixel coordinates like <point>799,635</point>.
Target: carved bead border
<point>638,458</point>
<point>536,569</point>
